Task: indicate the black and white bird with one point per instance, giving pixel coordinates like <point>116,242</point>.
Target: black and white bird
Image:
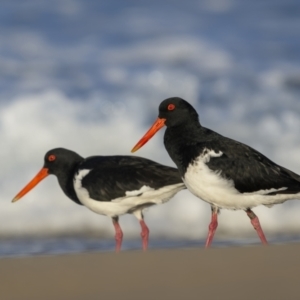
<point>221,171</point>
<point>110,185</point>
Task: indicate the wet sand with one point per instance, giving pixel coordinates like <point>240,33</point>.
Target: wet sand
<point>222,273</point>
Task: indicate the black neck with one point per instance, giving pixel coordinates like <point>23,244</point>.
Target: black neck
<point>180,142</point>
<point>65,180</point>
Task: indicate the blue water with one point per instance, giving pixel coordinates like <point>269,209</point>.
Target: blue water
<point>89,75</point>
<point>56,246</point>
<point>73,46</point>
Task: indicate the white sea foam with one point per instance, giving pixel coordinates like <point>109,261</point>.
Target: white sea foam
<point>94,87</point>
<point>31,125</point>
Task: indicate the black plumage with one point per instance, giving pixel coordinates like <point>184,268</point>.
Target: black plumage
<point>112,176</point>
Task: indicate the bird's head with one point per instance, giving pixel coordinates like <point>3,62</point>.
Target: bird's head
<point>56,162</point>
<point>172,112</point>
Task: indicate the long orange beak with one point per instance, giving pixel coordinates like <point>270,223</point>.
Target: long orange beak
<point>158,124</point>
<point>38,177</point>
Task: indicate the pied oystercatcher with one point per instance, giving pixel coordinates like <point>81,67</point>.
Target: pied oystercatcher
<point>221,171</point>
<point>110,185</point>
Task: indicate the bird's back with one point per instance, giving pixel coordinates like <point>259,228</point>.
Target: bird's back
<point>249,169</point>
<point>110,177</point>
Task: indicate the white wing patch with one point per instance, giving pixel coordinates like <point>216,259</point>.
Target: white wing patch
<point>142,190</point>
<point>266,192</point>
<point>208,153</point>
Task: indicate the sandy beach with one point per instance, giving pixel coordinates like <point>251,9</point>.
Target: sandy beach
<point>255,272</point>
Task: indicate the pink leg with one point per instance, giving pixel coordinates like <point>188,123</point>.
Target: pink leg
<point>256,225</point>
<point>212,226</point>
<point>144,234</point>
<point>119,233</point>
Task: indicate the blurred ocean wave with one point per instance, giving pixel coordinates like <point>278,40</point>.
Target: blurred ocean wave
<point>89,76</point>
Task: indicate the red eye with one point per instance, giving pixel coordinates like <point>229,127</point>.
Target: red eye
<point>51,157</point>
<point>171,106</point>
